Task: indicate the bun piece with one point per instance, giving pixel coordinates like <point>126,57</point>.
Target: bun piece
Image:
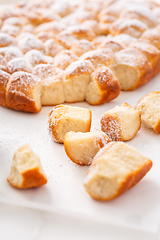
<point>151,53</point>
<point>26,169</point>
<point>23,92</point>
<point>63,119</point>
<point>132,68</point>
<point>103,87</point>
<point>121,123</point>
<point>52,84</point>
<point>116,168</point>
<point>82,147</point>
<point>77,77</point>
<point>4,79</point>
<point>149,106</point>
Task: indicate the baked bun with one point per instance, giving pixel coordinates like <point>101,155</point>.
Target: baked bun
<point>35,57</point>
<point>132,68</point>
<point>103,86</point>
<point>11,30</point>
<point>115,169</point>
<point>52,47</point>
<point>6,40</point>
<point>66,39</point>
<point>28,42</point>
<point>141,13</point>
<point>121,123</point>
<point>11,52</point>
<point>153,36</point>
<point>26,169</point>
<point>149,106</point>
<point>4,79</point>
<point>23,92</point>
<point>81,47</point>
<point>81,32</point>
<point>54,26</point>
<point>132,27</point>
<point>94,25</point>
<point>3,63</point>
<point>97,41</point>
<point>52,84</point>
<point>99,57</point>
<point>82,147</point>
<point>63,119</point>
<point>77,78</point>
<point>64,58</point>
<point>18,64</point>
<point>151,53</point>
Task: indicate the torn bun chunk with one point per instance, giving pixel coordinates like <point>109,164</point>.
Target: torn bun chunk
<point>63,119</point>
<point>23,92</point>
<point>26,170</point>
<point>82,147</point>
<point>121,123</point>
<point>116,168</point>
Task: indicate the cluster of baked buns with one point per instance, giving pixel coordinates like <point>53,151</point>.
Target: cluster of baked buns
<point>53,51</point>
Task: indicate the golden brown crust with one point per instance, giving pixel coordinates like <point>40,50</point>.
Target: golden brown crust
<point>31,178</point>
<point>19,92</point>
<point>4,79</point>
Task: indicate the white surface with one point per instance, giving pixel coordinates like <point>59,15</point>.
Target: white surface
<point>139,208</point>
<point>21,223</point>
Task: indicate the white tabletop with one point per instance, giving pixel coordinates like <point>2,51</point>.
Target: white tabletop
<point>30,224</point>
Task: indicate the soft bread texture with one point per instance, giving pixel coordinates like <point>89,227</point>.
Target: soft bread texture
<point>63,119</point>
<point>77,78</point>
<point>23,92</point>
<point>26,169</point>
<point>82,147</point>
<point>132,69</point>
<point>52,84</point>
<point>149,106</point>
<point>4,79</point>
<point>103,87</point>
<point>121,123</point>
<point>116,168</point>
